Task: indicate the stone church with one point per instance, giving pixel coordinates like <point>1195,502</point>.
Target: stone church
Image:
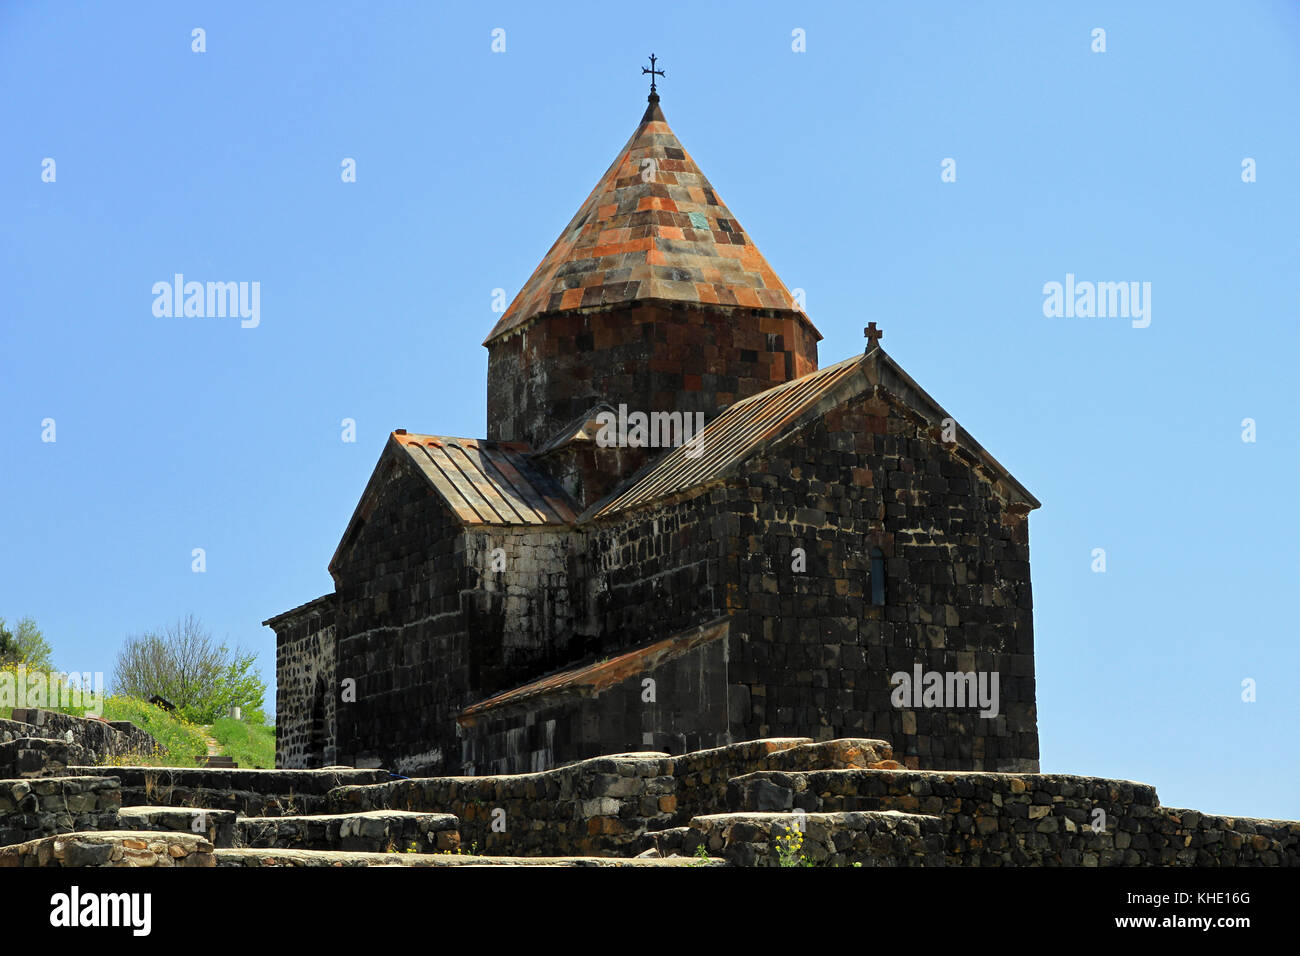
<point>560,589</point>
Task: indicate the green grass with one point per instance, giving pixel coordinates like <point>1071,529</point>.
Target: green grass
<point>249,745</point>
<point>181,740</point>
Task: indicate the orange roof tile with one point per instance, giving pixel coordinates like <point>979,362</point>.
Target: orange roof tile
<point>656,230</point>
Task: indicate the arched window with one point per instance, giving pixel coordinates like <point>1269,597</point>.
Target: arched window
<point>877,579</point>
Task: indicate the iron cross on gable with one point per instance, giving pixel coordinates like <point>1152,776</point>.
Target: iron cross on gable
<point>873,334</point>
<point>653,73</point>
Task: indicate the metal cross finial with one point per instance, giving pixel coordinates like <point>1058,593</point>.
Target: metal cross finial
<point>873,334</point>
<point>653,73</point>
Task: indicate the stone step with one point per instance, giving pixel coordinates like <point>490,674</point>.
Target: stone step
<point>934,792</point>
<point>990,819</point>
<point>882,838</point>
<point>669,842</point>
<point>216,761</point>
<point>44,806</point>
<point>281,857</point>
<point>377,831</point>
<point>39,757</point>
<point>131,848</point>
<point>251,792</point>
<point>218,826</point>
<point>844,753</point>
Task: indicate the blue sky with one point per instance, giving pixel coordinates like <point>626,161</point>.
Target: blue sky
<point>175,434</point>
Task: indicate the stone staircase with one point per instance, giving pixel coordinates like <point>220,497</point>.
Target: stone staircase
<point>862,838</point>
<point>372,831</point>
<point>784,801</point>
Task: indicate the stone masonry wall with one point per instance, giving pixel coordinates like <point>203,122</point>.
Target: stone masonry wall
<point>655,571</point>
<point>993,819</point>
<point>401,630</point>
<point>31,809</point>
<point>605,805</point>
<point>650,357</point>
<point>814,656</point>
<point>688,713</point>
<point>99,739</point>
<point>112,848</point>
<point>306,691</point>
<point>522,617</point>
<point>39,757</point>
<point>259,793</point>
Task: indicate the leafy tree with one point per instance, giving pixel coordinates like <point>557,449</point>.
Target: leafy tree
<point>26,645</point>
<point>184,663</point>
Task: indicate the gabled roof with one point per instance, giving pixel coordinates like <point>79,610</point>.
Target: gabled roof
<point>649,231</point>
<point>584,428</point>
<point>749,426</point>
<point>481,482</point>
<point>486,482</point>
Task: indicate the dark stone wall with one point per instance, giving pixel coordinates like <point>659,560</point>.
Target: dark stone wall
<point>656,571</point>
<point>99,740</point>
<point>427,626</point>
<point>651,357</point>
<point>997,819</point>
<point>306,693</point>
<point>400,628</point>
<point>31,809</point>
<point>815,656</point>
<point>522,616</point>
<point>688,712</point>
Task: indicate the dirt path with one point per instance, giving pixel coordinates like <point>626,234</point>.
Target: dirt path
<point>214,748</point>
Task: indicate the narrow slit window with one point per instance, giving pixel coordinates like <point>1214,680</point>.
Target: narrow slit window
<point>877,579</point>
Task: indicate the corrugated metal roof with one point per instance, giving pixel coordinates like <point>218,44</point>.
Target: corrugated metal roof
<point>591,679</point>
<point>749,425</point>
<point>733,436</point>
<point>488,482</point>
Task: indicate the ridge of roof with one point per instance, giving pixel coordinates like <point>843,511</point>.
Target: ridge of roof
<point>737,433</point>
<point>482,482</point>
<point>652,229</point>
<point>751,425</point>
<point>574,429</point>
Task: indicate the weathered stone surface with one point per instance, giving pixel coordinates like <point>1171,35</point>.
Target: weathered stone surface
<point>39,757</point>
<point>217,826</point>
<point>34,808</point>
<point>282,857</point>
<point>111,848</point>
<point>880,838</point>
<point>249,792</point>
<point>848,815</point>
<point>95,740</point>
<point>380,831</point>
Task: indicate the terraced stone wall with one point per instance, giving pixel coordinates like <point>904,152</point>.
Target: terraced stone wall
<point>32,809</point>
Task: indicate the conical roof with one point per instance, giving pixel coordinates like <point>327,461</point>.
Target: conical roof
<point>649,231</point>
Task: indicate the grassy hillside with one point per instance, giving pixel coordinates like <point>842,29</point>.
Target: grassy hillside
<point>249,745</point>
<point>181,740</point>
